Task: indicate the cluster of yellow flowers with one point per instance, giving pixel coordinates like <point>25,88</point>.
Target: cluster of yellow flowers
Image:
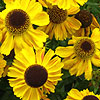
<point>35,73</point>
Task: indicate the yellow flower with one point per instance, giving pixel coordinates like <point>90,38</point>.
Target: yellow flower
<point>61,25</point>
<point>2,65</point>
<point>34,74</point>
<point>16,25</point>
<point>88,22</point>
<point>65,4</point>
<point>80,57</point>
<point>75,94</point>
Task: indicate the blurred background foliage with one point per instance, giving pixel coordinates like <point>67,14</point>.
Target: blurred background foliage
<point>68,82</point>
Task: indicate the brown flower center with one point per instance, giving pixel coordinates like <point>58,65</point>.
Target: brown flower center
<point>84,17</point>
<point>17,21</point>
<point>84,48</point>
<point>57,15</point>
<point>36,75</point>
<point>90,97</point>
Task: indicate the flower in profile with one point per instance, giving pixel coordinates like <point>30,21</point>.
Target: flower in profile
<point>16,25</point>
<point>88,22</point>
<point>65,4</point>
<point>75,94</point>
<point>2,65</point>
<point>33,74</point>
<point>80,57</point>
<point>61,25</point>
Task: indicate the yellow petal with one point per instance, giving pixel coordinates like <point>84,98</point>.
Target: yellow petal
<point>81,68</point>
<point>14,82</point>
<point>65,4</point>
<point>13,72</point>
<point>81,2</point>
<point>88,70</point>
<point>7,45</point>
<point>80,32</point>
<point>22,59</point>
<point>19,43</point>
<point>74,69</point>
<point>1,72</point>
<point>73,23</point>
<point>34,94</point>
<point>55,67</point>
<point>96,59</point>
<point>19,65</point>
<point>68,63</point>
<point>36,38</point>
<point>53,79</point>
<point>24,4</point>
<point>74,93</point>
<point>95,35</point>
<point>27,93</point>
<point>73,10</point>
<point>2,63</point>
<point>34,8</point>
<point>94,23</point>
<point>8,1</point>
<point>57,31</point>
<point>28,53</point>
<point>49,86</point>
<point>53,62</point>
<point>41,19</point>
<point>19,90</point>
<point>40,55</point>
<point>64,51</point>
<point>47,57</point>
<point>43,3</point>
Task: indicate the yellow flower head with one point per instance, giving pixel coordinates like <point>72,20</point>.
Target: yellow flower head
<point>16,25</point>
<point>80,57</point>
<point>33,74</point>
<point>88,22</point>
<point>75,94</point>
<point>61,25</point>
<point>2,65</point>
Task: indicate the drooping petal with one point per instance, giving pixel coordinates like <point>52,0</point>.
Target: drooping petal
<point>96,58</point>
<point>19,43</point>
<point>95,35</point>
<point>88,70</point>
<point>36,38</point>
<point>34,8</point>
<point>94,23</point>
<point>73,10</point>
<point>64,51</point>
<point>73,23</point>
<point>8,43</point>
<point>29,54</point>
<point>68,63</point>
<point>41,19</point>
